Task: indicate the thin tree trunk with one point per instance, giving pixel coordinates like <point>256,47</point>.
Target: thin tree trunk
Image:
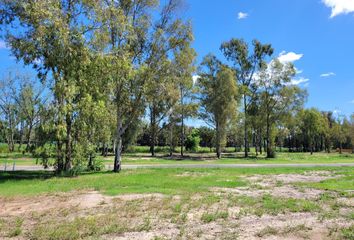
<point>68,143</point>
<point>171,138</point>
<point>218,142</point>
<point>152,131</point>
<point>118,155</point>
<point>182,134</point>
<point>29,138</point>
<point>245,127</point>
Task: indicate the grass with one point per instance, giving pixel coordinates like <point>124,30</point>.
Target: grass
<point>341,184</point>
<point>211,217</point>
<point>193,187</point>
<point>166,181</point>
<point>270,205</point>
<point>193,158</point>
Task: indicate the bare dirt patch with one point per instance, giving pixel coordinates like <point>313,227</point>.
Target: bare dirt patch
<point>82,200</point>
<point>216,214</point>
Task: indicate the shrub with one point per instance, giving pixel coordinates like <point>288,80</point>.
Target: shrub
<point>192,141</point>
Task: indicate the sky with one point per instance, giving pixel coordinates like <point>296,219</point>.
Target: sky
<point>316,35</point>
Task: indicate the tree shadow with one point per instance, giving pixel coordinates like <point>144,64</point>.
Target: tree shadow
<point>25,175</point>
<point>43,175</point>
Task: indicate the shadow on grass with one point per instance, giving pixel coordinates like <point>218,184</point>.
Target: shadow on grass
<point>25,175</point>
<point>39,175</point>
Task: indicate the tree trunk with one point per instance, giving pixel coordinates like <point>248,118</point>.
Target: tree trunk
<point>245,127</point>
<point>29,138</point>
<point>182,134</point>
<point>218,142</point>
<point>21,136</point>
<point>152,131</point>
<point>268,139</point>
<point>171,138</point>
<point>260,142</point>
<point>340,147</point>
<point>118,154</point>
<point>68,144</point>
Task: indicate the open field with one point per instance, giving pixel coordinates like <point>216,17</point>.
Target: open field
<point>195,158</point>
<point>261,203</point>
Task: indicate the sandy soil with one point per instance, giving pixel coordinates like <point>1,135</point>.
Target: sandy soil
<point>166,221</point>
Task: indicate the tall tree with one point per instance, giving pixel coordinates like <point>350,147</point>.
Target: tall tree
<point>277,96</point>
<point>246,63</point>
<point>311,124</point>
<point>9,109</point>
<point>218,92</point>
<point>53,41</point>
<point>132,46</point>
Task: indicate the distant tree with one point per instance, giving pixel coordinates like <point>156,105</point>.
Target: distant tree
<point>245,64</point>
<point>9,109</point>
<point>206,137</point>
<point>277,96</point>
<point>219,93</point>
<point>311,124</point>
<point>186,106</point>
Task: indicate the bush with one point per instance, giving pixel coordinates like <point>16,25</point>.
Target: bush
<point>192,141</point>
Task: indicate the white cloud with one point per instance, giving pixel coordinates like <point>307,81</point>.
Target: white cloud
<point>242,15</point>
<point>329,74</point>
<point>285,57</point>
<point>339,6</point>
<point>37,61</point>
<point>352,101</point>
<point>3,45</point>
<point>298,71</point>
<point>195,79</point>
<point>299,81</point>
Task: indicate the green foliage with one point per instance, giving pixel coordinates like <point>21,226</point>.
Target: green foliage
<point>192,141</point>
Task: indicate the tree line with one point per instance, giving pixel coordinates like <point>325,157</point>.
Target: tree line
<point>117,72</point>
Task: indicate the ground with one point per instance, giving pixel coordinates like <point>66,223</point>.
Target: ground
<point>261,203</point>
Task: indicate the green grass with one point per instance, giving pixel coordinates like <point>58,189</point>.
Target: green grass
<point>282,158</point>
<point>193,158</point>
<point>345,183</point>
<point>166,181</point>
<point>268,204</point>
<point>211,217</point>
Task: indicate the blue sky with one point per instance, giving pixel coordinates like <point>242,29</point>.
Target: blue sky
<point>305,30</point>
<point>318,34</point>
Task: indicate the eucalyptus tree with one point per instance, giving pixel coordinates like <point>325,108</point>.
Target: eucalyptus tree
<point>311,124</point>
<point>132,45</point>
<point>246,63</point>
<point>218,93</point>
<point>278,97</point>
<point>30,99</point>
<point>52,39</point>
<point>186,106</point>
<point>9,110</point>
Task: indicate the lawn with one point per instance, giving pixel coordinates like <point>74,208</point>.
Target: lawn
<point>192,158</point>
<point>166,181</point>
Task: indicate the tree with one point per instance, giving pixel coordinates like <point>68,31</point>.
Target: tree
<point>218,92</point>
<point>277,96</point>
<point>30,100</point>
<point>186,107</point>
<point>132,47</point>
<point>206,137</point>
<point>53,41</point>
<point>9,108</point>
<point>245,65</point>
<point>311,124</point>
